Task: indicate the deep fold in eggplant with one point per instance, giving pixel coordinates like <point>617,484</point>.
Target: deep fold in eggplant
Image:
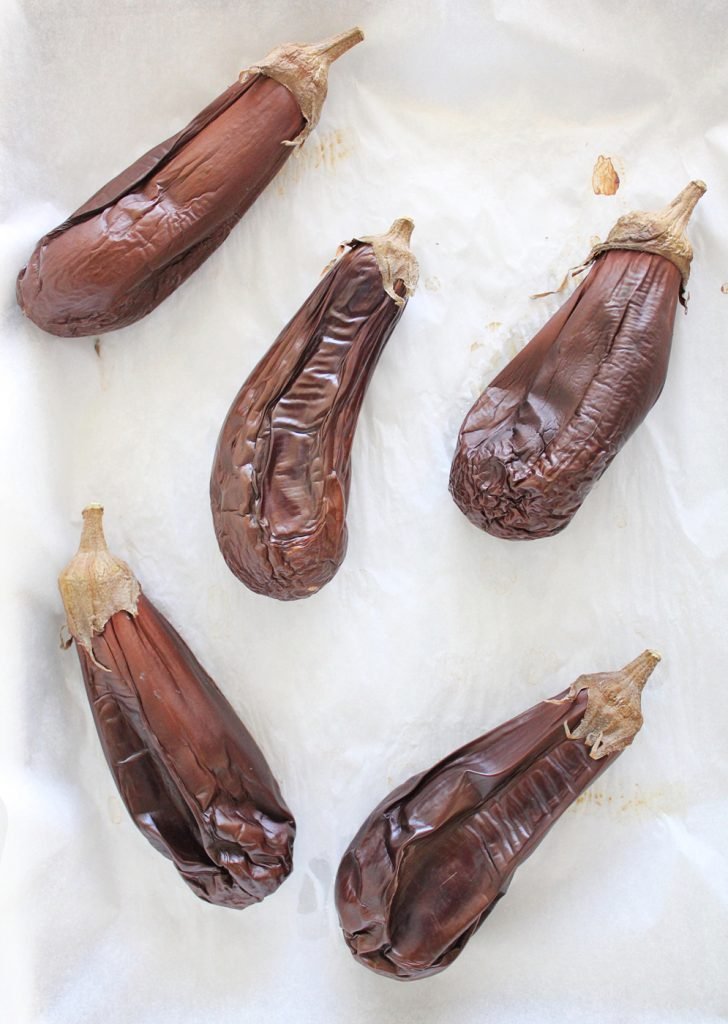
<point>280,478</point>
<point>432,860</point>
<point>189,773</point>
<point>547,427</point>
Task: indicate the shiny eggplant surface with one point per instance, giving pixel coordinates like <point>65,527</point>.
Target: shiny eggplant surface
<point>191,776</point>
<point>142,235</point>
<point>280,479</point>
<point>432,860</point>
<point>543,432</point>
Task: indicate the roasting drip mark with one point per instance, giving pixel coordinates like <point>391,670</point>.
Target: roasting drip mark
<point>331,149</point>
<point>639,802</point>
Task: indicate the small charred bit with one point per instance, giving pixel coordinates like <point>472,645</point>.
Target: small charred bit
<point>432,860</point>
<point>605,180</point>
<point>188,771</point>
<point>280,477</point>
<point>547,427</point>
<point>146,231</point>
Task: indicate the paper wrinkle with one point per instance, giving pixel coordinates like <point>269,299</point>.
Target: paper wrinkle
<point>483,123</point>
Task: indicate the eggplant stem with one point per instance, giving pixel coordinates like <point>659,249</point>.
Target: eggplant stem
<point>613,714</point>
<point>678,212</point>
<point>95,584</point>
<point>395,260</point>
<point>334,47</point>
<point>92,532</point>
<point>304,70</point>
<point>661,232</point>
<point>401,230</point>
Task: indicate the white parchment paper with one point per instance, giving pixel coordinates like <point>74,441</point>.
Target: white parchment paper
<point>483,122</point>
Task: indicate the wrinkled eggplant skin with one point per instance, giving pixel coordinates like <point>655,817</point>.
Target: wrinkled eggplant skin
<point>547,427</point>
<point>143,234</point>
<point>432,860</point>
<point>280,479</point>
<point>189,773</point>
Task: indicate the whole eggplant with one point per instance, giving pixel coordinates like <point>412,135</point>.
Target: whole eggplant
<point>142,235</point>
<point>544,431</point>
<point>433,859</point>
<point>191,776</point>
<point>280,478</point>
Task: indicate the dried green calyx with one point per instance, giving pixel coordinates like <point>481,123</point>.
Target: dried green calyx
<point>95,585</point>
<point>613,715</point>
<point>662,233</point>
<point>304,70</point>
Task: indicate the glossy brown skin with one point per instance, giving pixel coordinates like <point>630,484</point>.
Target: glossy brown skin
<point>433,859</point>
<point>280,479</point>
<point>190,774</point>
<point>547,427</point>
<point>143,234</point>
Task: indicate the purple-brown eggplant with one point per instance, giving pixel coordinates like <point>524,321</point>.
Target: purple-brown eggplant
<point>188,771</point>
<point>142,235</point>
<point>432,860</point>
<point>280,478</point>
<point>547,427</point>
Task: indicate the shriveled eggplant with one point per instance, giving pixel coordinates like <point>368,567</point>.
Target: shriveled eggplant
<point>142,235</point>
<point>188,771</point>
<point>432,860</point>
<point>280,478</point>
<point>547,427</point>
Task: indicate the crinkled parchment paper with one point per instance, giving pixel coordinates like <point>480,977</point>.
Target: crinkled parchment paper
<point>483,122</point>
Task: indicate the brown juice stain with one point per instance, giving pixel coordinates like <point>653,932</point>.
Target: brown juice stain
<point>605,180</point>
<point>494,325</point>
<point>103,365</point>
<point>332,147</point>
<point>321,151</point>
<point>639,802</point>
<point>512,345</point>
<point>497,361</point>
<point>724,288</point>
